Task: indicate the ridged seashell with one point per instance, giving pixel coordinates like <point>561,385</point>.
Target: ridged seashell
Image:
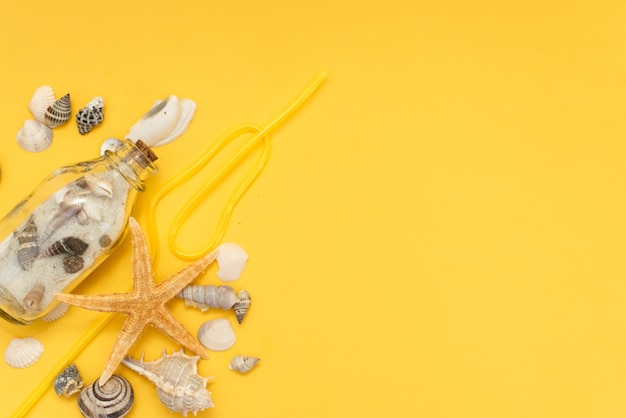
<point>113,399</point>
<point>165,121</point>
<point>176,378</point>
<point>67,245</point>
<point>73,264</point>
<point>90,116</point>
<point>241,307</point>
<point>98,186</point>
<point>23,352</point>
<point>205,297</point>
<point>32,300</point>
<point>59,112</point>
<point>57,312</point>
<point>28,247</point>
<point>42,99</point>
<point>217,334</point>
<point>68,382</point>
<point>231,259</point>
<point>34,136</point>
<point>110,144</point>
<point>243,364</point>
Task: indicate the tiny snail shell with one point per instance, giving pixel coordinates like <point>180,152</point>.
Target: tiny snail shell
<point>241,307</point>
<point>28,248</point>
<point>34,136</point>
<point>217,334</point>
<point>243,364</point>
<point>205,297</point>
<point>59,112</point>
<point>32,300</point>
<point>23,352</point>
<point>112,399</point>
<point>231,259</point>
<point>42,99</point>
<point>68,382</point>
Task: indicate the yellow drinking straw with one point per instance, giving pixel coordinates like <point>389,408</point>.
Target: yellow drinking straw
<point>258,135</point>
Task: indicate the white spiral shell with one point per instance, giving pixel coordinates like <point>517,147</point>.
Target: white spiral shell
<point>42,99</point>
<point>243,364</point>
<point>34,136</point>
<point>23,352</point>
<point>242,305</point>
<point>205,297</point>
<point>231,259</point>
<point>217,334</point>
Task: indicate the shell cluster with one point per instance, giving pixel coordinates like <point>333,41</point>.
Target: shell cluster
<point>114,398</point>
<point>23,352</point>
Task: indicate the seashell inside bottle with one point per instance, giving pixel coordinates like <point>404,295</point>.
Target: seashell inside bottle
<point>54,237</point>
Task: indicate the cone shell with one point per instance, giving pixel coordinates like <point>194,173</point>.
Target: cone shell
<point>90,116</point>
<point>28,248</point>
<point>59,112</point>
<point>231,259</point>
<point>205,297</point>
<point>217,334</point>
<point>67,245</point>
<point>42,99</point>
<point>243,364</point>
<point>34,136</point>
<point>23,352</point>
<point>68,382</point>
<point>114,398</point>
<point>242,306</point>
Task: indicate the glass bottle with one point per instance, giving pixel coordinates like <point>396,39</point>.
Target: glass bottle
<point>57,235</point>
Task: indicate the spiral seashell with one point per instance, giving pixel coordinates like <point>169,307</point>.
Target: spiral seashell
<point>32,300</point>
<point>241,307</point>
<point>243,364</point>
<point>59,112</point>
<point>34,136</point>
<point>57,312</point>
<point>217,334</point>
<point>67,245</point>
<point>68,382</point>
<point>205,297</point>
<point>28,248</point>
<point>231,259</point>
<point>23,352</point>
<point>73,264</point>
<point>112,399</point>
<point>90,116</point>
<point>179,387</point>
<point>42,99</point>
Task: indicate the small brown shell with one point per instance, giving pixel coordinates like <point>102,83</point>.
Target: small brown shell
<point>67,245</point>
<point>28,247</point>
<point>59,112</point>
<point>113,399</point>
<point>32,300</point>
<point>73,264</point>
<point>105,241</point>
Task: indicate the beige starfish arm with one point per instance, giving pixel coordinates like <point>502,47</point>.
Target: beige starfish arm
<point>112,302</point>
<point>169,326</point>
<point>143,276</point>
<point>178,281</point>
<point>126,338</point>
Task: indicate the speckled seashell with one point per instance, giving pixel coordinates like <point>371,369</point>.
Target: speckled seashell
<point>73,264</point>
<point>67,245</point>
<point>243,364</point>
<point>68,382</point>
<point>28,247</point>
<point>32,300</point>
<point>217,334</point>
<point>110,144</point>
<point>90,116</point>
<point>241,307</point>
<point>114,398</point>
<point>205,297</point>
<point>34,136</point>
<point>42,99</point>
<point>23,352</point>
<point>98,186</point>
<point>231,259</point>
<point>179,387</point>
<point>59,112</point>
<point>57,312</point>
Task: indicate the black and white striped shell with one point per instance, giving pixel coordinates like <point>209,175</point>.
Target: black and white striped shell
<point>28,248</point>
<point>113,399</point>
<point>67,245</point>
<point>243,364</point>
<point>90,116</point>
<point>59,112</point>
<point>242,305</point>
<point>68,382</point>
<point>179,387</point>
<point>208,296</point>
<point>23,352</point>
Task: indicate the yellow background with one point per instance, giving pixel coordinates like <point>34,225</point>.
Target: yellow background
<point>440,230</point>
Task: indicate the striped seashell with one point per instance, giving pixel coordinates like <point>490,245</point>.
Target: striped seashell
<point>231,259</point>
<point>32,300</point>
<point>59,112</point>
<point>34,136</point>
<point>68,382</point>
<point>114,398</point>
<point>67,245</point>
<point>90,116</point>
<point>57,312</point>
<point>217,334</point>
<point>73,264</point>
<point>42,99</point>
<point>205,297</point>
<point>28,248</point>
<point>243,364</point>
<point>241,307</point>
<point>179,387</point>
<point>23,352</point>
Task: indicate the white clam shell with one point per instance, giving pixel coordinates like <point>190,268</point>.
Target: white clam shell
<point>23,352</point>
<point>217,334</point>
<point>39,103</point>
<point>231,259</point>
<point>165,121</point>
<point>34,136</point>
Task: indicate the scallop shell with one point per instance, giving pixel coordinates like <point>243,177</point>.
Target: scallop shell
<point>32,300</point>
<point>23,352</point>
<point>231,259</point>
<point>67,245</point>
<point>68,382</point>
<point>28,248</point>
<point>217,334</point>
<point>165,121</point>
<point>42,99</point>
<point>205,297</point>
<point>243,364</point>
<point>90,116</point>
<point>57,312</point>
<point>59,112</point>
<point>242,306</point>
<point>34,136</point>
<point>176,378</point>
<point>112,399</point>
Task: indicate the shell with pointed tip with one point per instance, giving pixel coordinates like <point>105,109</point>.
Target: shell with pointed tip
<point>59,112</point>
<point>241,307</point>
<point>165,121</point>
<point>57,312</point>
<point>217,334</point>
<point>90,116</point>
<point>68,382</point>
<point>67,245</point>
<point>112,399</point>
<point>34,136</point>
<point>205,297</point>
<point>243,364</point>
<point>231,259</point>
<point>23,352</point>
<point>179,387</point>
<point>42,99</point>
<point>28,249</point>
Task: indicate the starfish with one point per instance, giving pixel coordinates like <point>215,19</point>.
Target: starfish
<point>145,304</point>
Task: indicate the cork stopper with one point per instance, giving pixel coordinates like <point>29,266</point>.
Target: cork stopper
<point>146,151</point>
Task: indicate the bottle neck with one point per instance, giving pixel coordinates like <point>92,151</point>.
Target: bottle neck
<point>134,161</point>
